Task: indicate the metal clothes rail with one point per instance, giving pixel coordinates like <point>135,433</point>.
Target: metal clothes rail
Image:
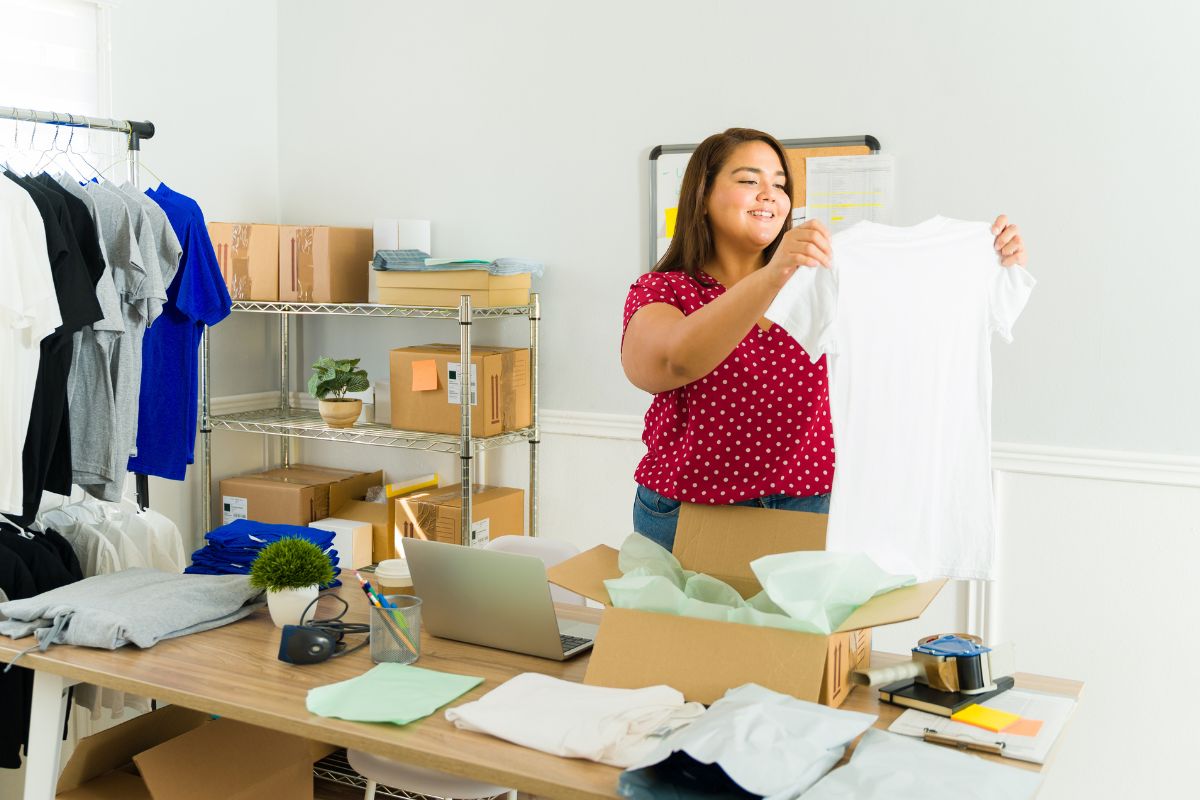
<point>134,132</point>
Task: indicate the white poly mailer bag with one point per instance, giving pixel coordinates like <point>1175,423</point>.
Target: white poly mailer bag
<point>886,766</point>
<point>768,743</point>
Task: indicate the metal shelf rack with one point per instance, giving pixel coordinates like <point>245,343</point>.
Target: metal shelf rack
<point>289,422</point>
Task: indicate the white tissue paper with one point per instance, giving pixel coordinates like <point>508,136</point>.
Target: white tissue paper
<point>807,591</point>
<point>769,743</point>
<point>886,766</point>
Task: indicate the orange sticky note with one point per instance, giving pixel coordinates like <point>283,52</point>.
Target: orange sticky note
<point>424,377</point>
<point>1024,727</point>
<point>991,719</point>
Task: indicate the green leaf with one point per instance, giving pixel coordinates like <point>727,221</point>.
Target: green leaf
<point>291,563</point>
<point>358,382</point>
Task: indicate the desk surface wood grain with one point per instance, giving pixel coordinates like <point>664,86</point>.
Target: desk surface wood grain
<point>233,672</point>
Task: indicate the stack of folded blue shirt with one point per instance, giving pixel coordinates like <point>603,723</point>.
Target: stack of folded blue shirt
<point>419,261</point>
<point>232,548</point>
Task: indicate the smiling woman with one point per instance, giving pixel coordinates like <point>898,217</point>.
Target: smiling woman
<point>739,414</point>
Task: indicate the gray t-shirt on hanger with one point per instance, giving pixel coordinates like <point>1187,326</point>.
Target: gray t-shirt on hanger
<point>129,277</point>
<point>90,389</point>
<point>149,295</point>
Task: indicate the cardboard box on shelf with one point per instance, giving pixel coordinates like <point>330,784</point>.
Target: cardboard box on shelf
<point>322,264</point>
<point>705,658</point>
<point>425,388</point>
<point>175,753</point>
<point>480,298</point>
<point>382,515</point>
<point>248,254</point>
<point>436,514</point>
<point>477,279</point>
<point>295,495</point>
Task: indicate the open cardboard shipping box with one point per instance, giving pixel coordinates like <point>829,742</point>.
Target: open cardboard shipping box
<point>705,658</point>
<point>175,753</point>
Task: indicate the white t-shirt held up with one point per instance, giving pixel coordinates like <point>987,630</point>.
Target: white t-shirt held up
<point>906,317</point>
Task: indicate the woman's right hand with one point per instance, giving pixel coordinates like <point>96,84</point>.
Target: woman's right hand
<point>806,246</point>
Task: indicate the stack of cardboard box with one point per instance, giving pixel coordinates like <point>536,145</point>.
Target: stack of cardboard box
<point>292,263</point>
<point>445,288</point>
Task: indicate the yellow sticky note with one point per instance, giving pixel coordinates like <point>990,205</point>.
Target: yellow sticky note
<point>1024,727</point>
<point>991,719</point>
<point>671,214</point>
<point>424,377</point>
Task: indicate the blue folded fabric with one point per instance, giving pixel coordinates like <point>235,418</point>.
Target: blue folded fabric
<point>232,548</point>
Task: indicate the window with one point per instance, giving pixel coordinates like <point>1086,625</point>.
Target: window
<point>55,58</point>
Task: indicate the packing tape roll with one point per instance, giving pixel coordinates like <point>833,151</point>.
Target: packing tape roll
<point>971,671</point>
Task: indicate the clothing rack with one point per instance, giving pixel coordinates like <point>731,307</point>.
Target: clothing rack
<point>134,132</point>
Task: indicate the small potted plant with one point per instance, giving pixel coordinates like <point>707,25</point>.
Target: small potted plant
<point>291,570</point>
<point>332,378</point>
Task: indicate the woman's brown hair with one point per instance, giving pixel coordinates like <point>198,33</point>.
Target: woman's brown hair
<point>692,246</point>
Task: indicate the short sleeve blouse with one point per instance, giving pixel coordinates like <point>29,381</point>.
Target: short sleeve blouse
<point>755,426</point>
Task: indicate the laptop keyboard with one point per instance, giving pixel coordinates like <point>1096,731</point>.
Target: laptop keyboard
<point>569,643</point>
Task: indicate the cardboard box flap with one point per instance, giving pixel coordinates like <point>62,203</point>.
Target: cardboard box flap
<point>116,746</point>
<point>253,763</point>
<point>898,605</point>
<point>113,786</point>
<point>352,487</point>
<point>721,541</point>
<point>585,573</point>
<point>703,658</point>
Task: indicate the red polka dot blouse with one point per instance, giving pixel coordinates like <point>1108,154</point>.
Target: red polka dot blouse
<point>757,425</point>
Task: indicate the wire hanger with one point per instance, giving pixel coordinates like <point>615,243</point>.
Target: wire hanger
<point>141,164</point>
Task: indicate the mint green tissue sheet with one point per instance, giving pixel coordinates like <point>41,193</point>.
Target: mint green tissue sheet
<point>807,591</point>
<point>396,693</point>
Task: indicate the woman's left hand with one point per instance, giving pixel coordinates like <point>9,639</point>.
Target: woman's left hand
<point>1008,242</point>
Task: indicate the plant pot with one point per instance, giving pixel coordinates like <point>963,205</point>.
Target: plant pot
<point>340,413</point>
<point>286,605</point>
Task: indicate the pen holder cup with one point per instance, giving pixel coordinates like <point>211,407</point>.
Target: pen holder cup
<point>396,632</point>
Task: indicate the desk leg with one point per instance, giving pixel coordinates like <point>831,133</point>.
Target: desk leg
<point>46,721</point>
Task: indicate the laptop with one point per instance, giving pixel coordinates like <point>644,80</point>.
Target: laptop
<point>491,598</point>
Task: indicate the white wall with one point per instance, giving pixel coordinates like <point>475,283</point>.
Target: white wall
<point>206,75</point>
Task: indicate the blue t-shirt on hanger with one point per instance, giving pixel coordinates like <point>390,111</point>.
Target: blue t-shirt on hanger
<point>197,297</point>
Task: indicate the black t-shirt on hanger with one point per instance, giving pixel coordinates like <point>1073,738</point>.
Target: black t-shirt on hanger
<point>16,685</point>
<point>46,457</point>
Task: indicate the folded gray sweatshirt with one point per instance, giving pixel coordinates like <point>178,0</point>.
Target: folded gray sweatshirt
<point>139,606</point>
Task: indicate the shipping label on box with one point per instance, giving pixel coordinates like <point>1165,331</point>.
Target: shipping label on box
<point>481,532</point>
<point>454,384</point>
<point>232,508</point>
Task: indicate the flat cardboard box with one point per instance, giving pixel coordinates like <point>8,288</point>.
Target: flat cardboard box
<point>295,495</point>
<point>443,298</point>
<point>501,383</point>
<point>175,753</point>
<point>436,514</point>
<point>248,254</point>
<point>479,279</point>
<point>705,658</point>
<point>322,264</point>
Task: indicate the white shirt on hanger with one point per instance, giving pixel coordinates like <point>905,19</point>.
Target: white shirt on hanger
<point>906,316</point>
<point>28,313</point>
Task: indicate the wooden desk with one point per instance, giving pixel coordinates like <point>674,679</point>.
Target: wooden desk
<point>233,672</point>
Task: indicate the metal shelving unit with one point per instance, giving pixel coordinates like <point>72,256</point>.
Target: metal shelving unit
<point>288,422</point>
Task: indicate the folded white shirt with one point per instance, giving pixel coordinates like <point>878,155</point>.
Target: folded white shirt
<point>612,726</point>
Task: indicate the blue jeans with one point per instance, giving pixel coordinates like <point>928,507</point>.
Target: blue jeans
<point>655,516</point>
